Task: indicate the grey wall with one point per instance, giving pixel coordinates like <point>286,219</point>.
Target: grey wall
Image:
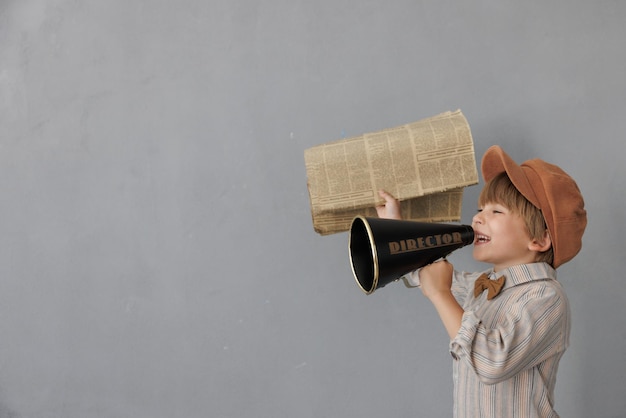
<point>157,257</point>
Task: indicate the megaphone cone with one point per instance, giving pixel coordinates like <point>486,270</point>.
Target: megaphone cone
<point>383,250</point>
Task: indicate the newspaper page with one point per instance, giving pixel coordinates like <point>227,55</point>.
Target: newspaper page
<point>424,164</point>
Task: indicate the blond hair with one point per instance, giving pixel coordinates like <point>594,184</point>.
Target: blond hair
<point>501,190</point>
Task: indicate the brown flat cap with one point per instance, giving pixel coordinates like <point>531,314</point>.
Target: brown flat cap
<point>550,189</point>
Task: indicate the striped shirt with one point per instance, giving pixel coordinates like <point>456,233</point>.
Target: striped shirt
<point>507,351</point>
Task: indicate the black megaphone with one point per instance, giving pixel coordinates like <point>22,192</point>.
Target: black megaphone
<point>384,250</point>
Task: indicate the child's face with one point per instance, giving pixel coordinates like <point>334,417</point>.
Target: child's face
<point>501,237</point>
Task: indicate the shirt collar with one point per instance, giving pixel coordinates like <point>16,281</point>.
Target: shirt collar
<point>524,273</point>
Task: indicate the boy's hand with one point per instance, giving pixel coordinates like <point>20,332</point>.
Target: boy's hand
<point>390,209</point>
<point>436,279</point>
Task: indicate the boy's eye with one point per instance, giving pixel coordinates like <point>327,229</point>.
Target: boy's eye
<point>492,210</point>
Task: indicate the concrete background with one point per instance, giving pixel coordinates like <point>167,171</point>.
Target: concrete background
<point>157,257</point>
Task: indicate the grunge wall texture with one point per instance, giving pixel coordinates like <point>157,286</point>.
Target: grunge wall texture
<point>157,257</point>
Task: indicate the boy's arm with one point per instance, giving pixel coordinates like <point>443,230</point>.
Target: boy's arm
<point>436,282</point>
<point>435,279</point>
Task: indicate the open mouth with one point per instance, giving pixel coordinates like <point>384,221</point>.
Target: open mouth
<point>481,239</point>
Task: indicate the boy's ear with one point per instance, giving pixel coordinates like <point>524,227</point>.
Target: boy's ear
<point>541,245</point>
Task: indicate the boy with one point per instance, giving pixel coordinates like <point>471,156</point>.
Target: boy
<point>506,342</point>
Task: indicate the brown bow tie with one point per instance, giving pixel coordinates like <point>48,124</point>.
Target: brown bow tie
<point>493,286</point>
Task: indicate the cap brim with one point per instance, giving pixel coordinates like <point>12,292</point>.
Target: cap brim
<point>496,161</point>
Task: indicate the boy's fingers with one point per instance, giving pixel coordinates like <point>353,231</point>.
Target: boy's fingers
<point>388,198</point>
